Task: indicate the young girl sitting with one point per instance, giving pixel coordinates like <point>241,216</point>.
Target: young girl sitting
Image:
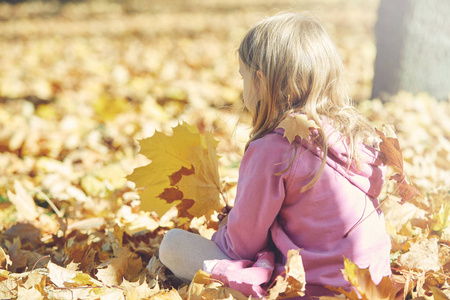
<point>306,195</point>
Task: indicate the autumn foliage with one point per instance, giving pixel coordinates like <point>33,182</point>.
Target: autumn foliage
<point>118,122</point>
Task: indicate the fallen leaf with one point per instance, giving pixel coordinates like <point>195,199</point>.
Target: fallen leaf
<point>17,256</point>
<point>167,295</point>
<point>83,279</point>
<point>125,265</point>
<point>423,255</point>
<point>81,254</point>
<point>23,202</point>
<point>138,290</point>
<point>362,282</point>
<point>58,275</point>
<point>5,261</point>
<point>205,287</point>
<point>26,232</point>
<point>292,282</point>
<point>156,269</point>
<point>8,288</point>
<point>31,293</point>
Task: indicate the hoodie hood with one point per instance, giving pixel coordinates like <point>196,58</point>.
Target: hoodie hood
<point>368,176</point>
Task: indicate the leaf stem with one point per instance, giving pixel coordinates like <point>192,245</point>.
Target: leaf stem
<point>38,261</point>
<point>52,205</point>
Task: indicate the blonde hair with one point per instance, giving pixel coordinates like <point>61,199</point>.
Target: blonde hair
<point>302,72</point>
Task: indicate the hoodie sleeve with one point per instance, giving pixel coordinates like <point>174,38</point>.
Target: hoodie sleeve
<point>260,195</point>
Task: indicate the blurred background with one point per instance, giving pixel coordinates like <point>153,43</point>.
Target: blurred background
<point>118,70</point>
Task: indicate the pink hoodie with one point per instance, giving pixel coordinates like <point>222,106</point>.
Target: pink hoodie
<point>270,211</point>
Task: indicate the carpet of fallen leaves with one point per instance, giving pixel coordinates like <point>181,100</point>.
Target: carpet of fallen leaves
<point>80,82</point>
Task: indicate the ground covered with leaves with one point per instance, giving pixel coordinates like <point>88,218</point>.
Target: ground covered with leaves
<point>80,83</point>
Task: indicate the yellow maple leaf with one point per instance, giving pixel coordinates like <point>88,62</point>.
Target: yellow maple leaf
<point>167,154</point>
<point>138,289</point>
<point>203,186</point>
<point>297,125</point>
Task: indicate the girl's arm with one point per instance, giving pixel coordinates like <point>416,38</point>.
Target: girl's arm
<point>260,195</point>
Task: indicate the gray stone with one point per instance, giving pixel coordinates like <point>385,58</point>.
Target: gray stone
<point>413,48</point>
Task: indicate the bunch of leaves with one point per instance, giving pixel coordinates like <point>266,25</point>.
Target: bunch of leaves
<point>183,172</point>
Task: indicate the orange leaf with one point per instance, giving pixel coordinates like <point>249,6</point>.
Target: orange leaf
<point>390,147</point>
<point>405,190</point>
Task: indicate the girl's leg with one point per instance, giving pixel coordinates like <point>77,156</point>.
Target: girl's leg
<point>183,252</point>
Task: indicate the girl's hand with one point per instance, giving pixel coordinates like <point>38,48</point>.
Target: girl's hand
<point>223,215</point>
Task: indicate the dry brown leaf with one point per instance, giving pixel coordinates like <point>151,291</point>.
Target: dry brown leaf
<point>423,255</point>
<point>113,271</point>
<point>17,256</point>
<point>26,232</point>
<point>406,190</point>
<point>81,254</point>
<point>390,147</point>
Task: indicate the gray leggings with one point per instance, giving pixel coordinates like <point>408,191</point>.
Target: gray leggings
<point>184,252</point>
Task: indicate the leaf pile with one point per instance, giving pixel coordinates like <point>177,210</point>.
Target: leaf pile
<point>419,228</point>
<point>81,82</point>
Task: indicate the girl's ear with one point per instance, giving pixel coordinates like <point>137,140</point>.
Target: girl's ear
<point>260,75</point>
<point>262,80</point>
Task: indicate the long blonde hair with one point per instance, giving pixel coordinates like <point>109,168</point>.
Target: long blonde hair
<point>303,72</point>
